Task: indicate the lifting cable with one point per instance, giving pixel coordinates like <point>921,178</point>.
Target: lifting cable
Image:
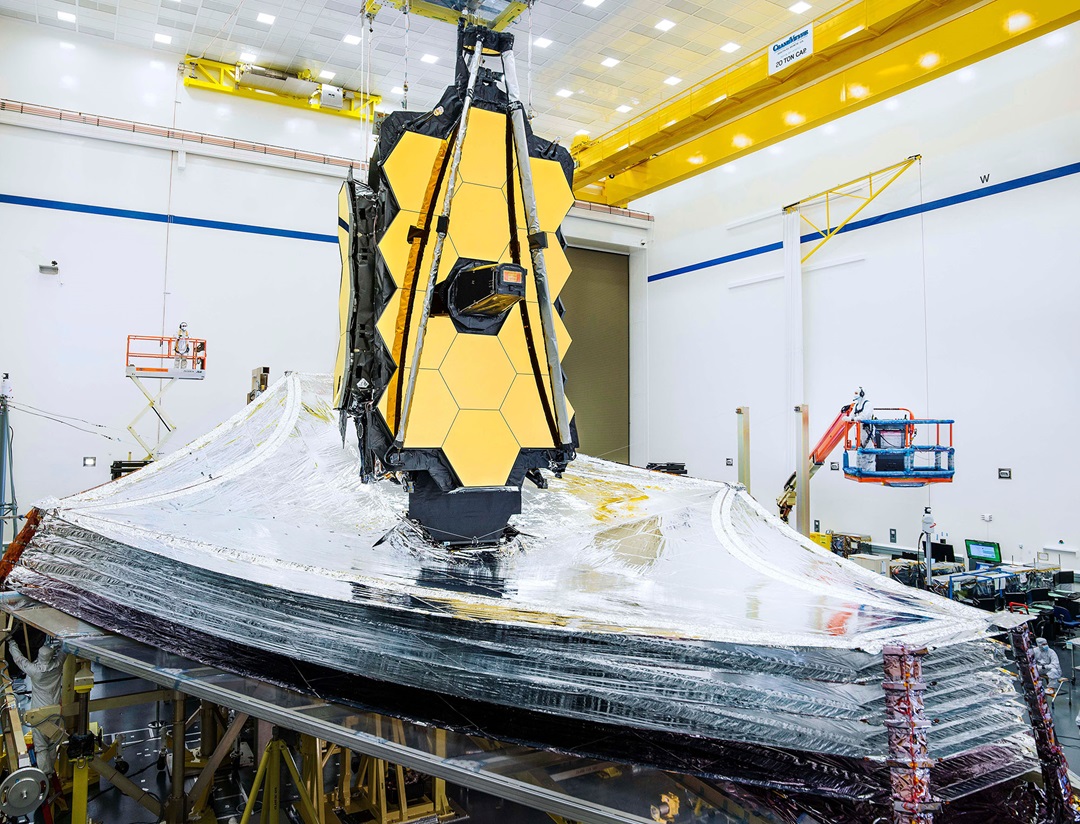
<point>530,114</point>
<point>926,310</point>
<point>405,83</point>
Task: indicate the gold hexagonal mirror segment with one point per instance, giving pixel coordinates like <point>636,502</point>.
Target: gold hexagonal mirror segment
<point>523,411</point>
<point>481,448</point>
<point>554,198</point>
<point>484,149</point>
<point>477,371</point>
<point>413,168</point>
<point>479,225</point>
<point>433,411</point>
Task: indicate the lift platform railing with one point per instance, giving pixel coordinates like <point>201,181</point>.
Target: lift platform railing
<point>886,451</point>
<point>162,358</point>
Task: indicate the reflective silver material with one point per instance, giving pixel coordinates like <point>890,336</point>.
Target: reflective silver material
<point>629,597</point>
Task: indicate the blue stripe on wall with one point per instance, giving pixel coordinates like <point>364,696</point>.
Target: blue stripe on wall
<point>155,217</point>
<point>933,205</point>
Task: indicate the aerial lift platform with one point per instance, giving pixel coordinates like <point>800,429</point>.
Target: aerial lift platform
<point>881,450</point>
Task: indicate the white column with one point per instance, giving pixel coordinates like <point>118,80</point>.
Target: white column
<point>793,348</point>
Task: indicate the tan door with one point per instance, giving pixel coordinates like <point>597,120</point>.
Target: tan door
<point>597,364</point>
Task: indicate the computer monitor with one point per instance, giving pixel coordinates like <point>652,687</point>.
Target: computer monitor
<point>983,552</point>
<point>942,552</point>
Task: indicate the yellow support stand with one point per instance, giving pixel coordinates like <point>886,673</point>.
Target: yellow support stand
<point>877,182</point>
<point>269,773</point>
<point>80,783</point>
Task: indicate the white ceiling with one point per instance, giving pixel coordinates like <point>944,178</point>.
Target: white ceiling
<point>307,34</point>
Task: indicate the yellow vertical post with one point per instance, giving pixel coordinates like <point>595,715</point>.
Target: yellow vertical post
<point>438,785</point>
<point>802,489</point>
<point>743,416</point>
<point>260,775</point>
<point>80,780</point>
<point>271,813</point>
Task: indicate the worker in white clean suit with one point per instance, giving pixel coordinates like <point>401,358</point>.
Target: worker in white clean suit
<point>1047,663</point>
<point>183,347</point>
<point>45,675</point>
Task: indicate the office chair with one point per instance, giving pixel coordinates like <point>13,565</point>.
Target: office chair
<point>1064,618</point>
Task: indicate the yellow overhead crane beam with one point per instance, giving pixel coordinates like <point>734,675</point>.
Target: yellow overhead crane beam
<point>213,75</point>
<point>868,51</point>
<point>435,11</point>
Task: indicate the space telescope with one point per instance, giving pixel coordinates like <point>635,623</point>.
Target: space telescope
<point>449,360</point>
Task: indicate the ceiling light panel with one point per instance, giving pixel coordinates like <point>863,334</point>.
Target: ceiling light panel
<point>664,25</point>
<point>730,48</point>
<point>306,35</point>
<point>800,7</point>
<point>66,16</point>
<point>609,62</point>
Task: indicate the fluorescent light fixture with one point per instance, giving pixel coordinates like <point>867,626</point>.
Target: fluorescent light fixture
<point>848,34</point>
<point>800,7</point>
<point>741,141</point>
<point>66,16</point>
<point>794,118</point>
<point>563,93</point>
<point>397,90</point>
<point>1017,22</point>
<point>541,42</point>
<point>248,57</point>
<point>325,75</point>
<point>929,60</point>
<point>429,58</point>
<point>665,25</point>
<point>730,47</point>
<point>166,39</point>
<point>592,4</point>
<point>609,62</point>
<point>623,109</point>
<point>263,17</point>
<point>581,133</point>
<point>673,81</point>
<point>89,460</point>
<point>351,40</point>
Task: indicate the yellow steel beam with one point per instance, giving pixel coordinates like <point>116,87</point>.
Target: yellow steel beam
<point>884,179</point>
<point>201,73</point>
<point>867,52</point>
<point>446,14</point>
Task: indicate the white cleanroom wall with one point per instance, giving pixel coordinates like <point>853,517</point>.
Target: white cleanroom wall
<point>963,308</point>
